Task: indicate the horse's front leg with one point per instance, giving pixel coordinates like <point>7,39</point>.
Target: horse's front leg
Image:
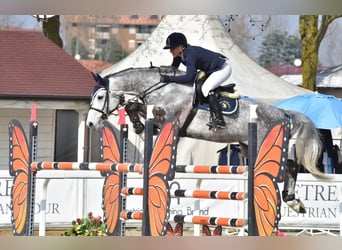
<point>291,173</point>
<point>133,109</point>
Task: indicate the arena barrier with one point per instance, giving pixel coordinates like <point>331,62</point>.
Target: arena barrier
<point>161,161</point>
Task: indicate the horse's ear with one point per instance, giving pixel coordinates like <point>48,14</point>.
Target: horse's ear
<point>94,75</point>
<point>97,77</point>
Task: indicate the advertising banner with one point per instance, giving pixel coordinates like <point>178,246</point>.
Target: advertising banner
<point>69,199</point>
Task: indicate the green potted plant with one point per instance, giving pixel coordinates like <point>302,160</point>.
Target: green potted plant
<point>89,226</point>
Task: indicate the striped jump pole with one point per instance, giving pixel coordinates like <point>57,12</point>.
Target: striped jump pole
<point>211,169</point>
<point>201,194</point>
<point>208,220</point>
<point>209,194</point>
<point>136,167</point>
<point>193,219</point>
<point>90,166</point>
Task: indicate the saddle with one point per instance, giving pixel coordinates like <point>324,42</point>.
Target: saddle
<point>228,97</point>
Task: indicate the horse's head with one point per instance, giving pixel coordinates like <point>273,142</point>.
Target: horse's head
<point>103,102</point>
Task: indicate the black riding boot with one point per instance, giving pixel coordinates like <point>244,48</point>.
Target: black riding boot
<point>217,120</point>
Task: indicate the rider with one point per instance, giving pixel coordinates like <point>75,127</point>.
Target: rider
<point>197,58</point>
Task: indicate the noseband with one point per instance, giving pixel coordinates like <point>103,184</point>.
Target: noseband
<point>105,111</point>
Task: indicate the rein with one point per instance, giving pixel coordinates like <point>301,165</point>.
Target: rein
<point>154,87</point>
<point>149,90</point>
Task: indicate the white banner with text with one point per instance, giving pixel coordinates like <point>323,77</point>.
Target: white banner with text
<point>68,199</point>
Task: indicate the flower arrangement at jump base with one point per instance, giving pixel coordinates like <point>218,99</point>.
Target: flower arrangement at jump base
<point>89,226</point>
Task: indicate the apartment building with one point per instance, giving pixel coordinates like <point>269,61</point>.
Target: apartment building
<point>95,31</point>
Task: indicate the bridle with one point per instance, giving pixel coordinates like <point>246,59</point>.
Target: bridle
<point>105,111</point>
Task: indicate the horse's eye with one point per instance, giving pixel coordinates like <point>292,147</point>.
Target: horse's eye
<point>100,97</point>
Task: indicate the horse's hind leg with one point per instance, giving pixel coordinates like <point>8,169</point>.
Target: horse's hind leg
<point>289,187</point>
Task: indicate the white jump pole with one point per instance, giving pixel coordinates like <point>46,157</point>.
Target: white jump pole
<point>42,210</point>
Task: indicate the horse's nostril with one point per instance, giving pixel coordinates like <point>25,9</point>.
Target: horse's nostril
<point>90,124</point>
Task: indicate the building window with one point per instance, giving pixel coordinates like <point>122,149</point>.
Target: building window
<point>143,29</point>
<point>103,28</point>
<point>132,29</point>
<point>134,16</point>
<point>115,30</point>
<point>154,16</point>
<point>66,141</point>
<point>94,153</point>
<point>92,44</point>
<point>131,44</point>
<point>91,30</point>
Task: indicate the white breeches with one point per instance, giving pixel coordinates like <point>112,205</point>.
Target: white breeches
<point>217,78</point>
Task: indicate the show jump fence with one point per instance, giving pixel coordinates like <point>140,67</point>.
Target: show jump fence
<point>160,159</point>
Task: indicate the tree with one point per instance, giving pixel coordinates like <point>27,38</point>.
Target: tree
<point>312,29</point>
<point>77,48</point>
<point>112,52</point>
<point>245,29</point>
<point>279,48</point>
<point>51,27</point>
<point>330,49</point>
<point>52,30</point>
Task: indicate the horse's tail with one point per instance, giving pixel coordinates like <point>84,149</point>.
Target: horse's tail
<point>308,143</point>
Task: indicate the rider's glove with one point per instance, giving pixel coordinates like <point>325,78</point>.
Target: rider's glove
<point>165,78</point>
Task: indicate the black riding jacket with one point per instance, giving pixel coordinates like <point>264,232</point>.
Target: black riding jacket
<point>197,58</point>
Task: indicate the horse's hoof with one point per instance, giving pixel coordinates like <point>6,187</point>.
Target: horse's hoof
<point>139,127</point>
<point>297,206</point>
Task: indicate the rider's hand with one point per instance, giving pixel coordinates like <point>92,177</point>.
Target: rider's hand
<point>165,78</point>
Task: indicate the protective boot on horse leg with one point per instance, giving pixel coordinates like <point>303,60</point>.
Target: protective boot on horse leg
<point>288,193</point>
<point>216,117</point>
<point>133,109</point>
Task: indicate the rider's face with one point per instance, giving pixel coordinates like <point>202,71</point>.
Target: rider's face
<point>177,51</point>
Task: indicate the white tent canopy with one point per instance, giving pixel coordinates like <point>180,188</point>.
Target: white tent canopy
<point>208,31</point>
<point>330,78</point>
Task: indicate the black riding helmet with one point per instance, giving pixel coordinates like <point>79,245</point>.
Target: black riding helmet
<point>174,40</point>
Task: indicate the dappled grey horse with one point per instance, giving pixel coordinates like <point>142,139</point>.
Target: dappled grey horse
<point>137,87</point>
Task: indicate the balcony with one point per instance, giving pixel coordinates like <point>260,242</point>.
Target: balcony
<point>141,36</point>
<point>103,35</point>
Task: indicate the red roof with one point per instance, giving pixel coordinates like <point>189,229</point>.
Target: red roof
<point>32,66</point>
<point>285,70</point>
<point>94,65</point>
